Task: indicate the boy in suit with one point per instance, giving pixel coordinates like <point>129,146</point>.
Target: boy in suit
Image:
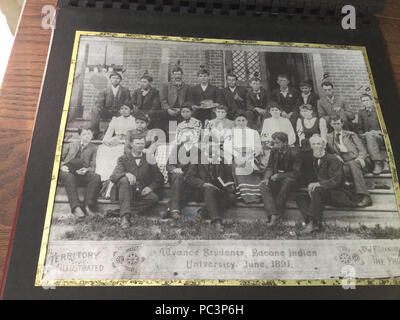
<point>78,162</point>
<point>257,103</point>
<point>173,95</point>
<point>281,177</point>
<point>137,180</point>
<point>214,181</point>
<point>350,148</point>
<point>233,96</point>
<point>202,96</point>
<point>370,131</point>
<point>286,98</point>
<point>331,105</point>
<point>307,96</point>
<point>108,102</point>
<point>146,99</point>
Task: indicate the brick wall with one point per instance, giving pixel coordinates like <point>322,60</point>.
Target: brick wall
<point>348,73</point>
<point>150,57</point>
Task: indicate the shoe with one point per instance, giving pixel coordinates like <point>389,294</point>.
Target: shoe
<point>365,202</point>
<point>90,212</point>
<point>377,168</point>
<point>176,215</point>
<point>164,214</point>
<point>274,221</point>
<point>78,213</point>
<point>386,168</point>
<point>310,228</point>
<point>218,227</point>
<point>125,222</point>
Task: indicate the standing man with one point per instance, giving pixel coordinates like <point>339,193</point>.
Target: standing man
<point>370,131</point>
<point>146,99</point>
<point>233,96</point>
<point>137,180</point>
<point>350,148</point>
<point>173,95</point>
<point>78,162</point>
<point>108,102</point>
<point>286,98</point>
<point>257,101</point>
<point>214,181</point>
<point>325,186</point>
<point>281,177</point>
<point>331,105</point>
<point>307,96</point>
<point>203,96</point>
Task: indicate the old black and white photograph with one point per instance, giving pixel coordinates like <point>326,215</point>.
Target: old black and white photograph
<point>205,159</point>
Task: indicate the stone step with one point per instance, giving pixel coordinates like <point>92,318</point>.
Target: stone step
<point>384,198</point>
<point>343,217</point>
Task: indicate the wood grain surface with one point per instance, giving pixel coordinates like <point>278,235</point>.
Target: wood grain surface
<point>21,89</point>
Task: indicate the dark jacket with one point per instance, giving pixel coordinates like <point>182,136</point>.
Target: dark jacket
<point>175,161</point>
<point>106,100</point>
<point>311,99</point>
<point>196,94</point>
<point>253,102</point>
<point>173,96</point>
<point>235,100</point>
<point>367,121</point>
<point>146,174</point>
<point>329,173</point>
<point>87,155</point>
<point>148,104</point>
<point>198,174</point>
<point>291,164</point>
<point>287,104</point>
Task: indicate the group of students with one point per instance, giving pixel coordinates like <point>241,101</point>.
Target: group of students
<point>231,144</point>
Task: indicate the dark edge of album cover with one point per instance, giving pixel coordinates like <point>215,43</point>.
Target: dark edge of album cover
<point>22,263</point>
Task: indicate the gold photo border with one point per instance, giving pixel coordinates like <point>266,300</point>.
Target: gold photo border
<point>143,282</point>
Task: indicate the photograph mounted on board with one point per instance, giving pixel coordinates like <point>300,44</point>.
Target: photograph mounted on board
<point>220,162</point>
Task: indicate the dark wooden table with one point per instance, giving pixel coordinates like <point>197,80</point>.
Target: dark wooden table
<point>21,89</point>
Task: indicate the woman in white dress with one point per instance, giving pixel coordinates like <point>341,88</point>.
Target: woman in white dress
<point>114,142</point>
<point>244,146</point>
<point>275,123</point>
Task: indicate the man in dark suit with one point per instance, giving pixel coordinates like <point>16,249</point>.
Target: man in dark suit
<point>286,97</point>
<point>179,160</point>
<point>137,181</point>
<point>369,129</point>
<point>78,162</point>
<point>108,102</point>
<point>173,95</point>
<point>146,99</point>
<point>326,186</point>
<point>350,148</point>
<point>257,101</point>
<point>214,181</point>
<point>281,177</point>
<point>233,96</point>
<point>203,92</point>
<point>331,105</point>
<point>307,96</point>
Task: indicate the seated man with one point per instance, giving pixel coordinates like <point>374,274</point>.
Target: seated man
<point>370,131</point>
<point>326,186</point>
<point>78,163</point>
<point>281,177</point>
<point>214,180</point>
<point>137,181</point>
<point>350,148</point>
<point>181,156</point>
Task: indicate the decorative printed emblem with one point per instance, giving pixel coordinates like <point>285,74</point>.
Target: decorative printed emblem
<point>347,257</point>
<point>129,259</point>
